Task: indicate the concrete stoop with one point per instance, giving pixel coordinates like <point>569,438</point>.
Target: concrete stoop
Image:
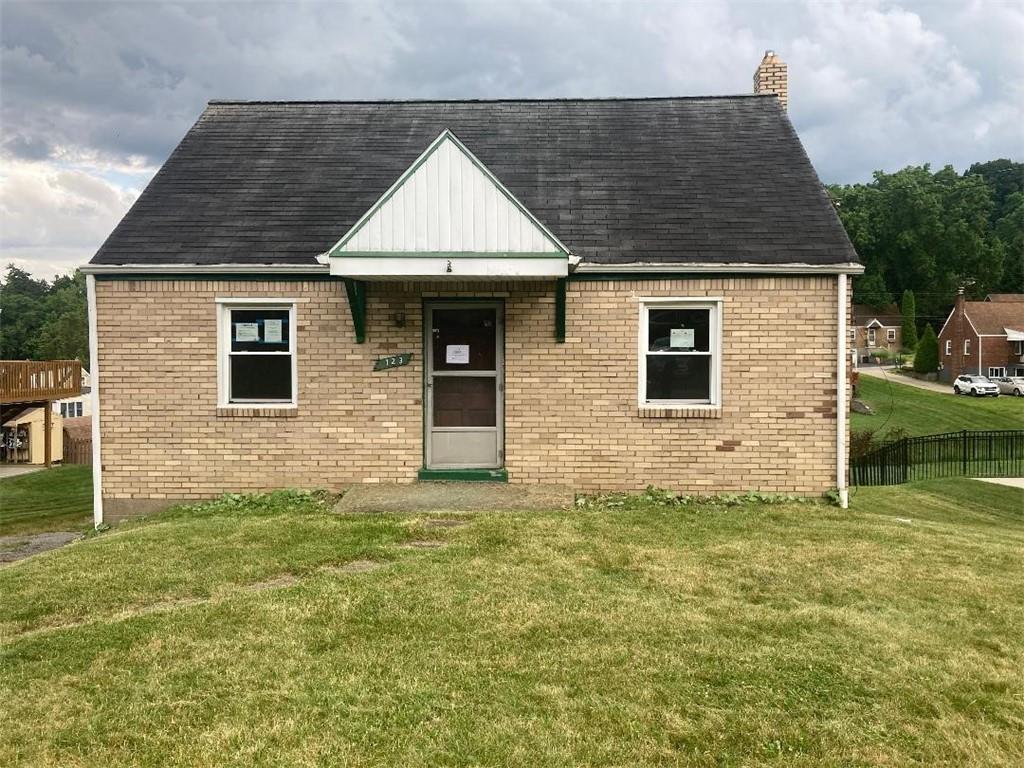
<point>454,497</point>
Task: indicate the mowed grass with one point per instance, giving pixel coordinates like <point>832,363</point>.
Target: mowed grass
<point>57,499</point>
<point>627,634</point>
<point>922,412</point>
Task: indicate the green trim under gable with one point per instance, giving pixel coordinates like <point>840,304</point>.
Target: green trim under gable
<point>447,255</point>
<point>463,475</point>
<point>560,310</point>
<point>356,292</point>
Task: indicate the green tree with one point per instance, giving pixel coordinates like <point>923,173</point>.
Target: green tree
<point>64,334</point>
<point>909,309</point>
<point>40,321</point>
<point>926,360</point>
<point>870,289</point>
<point>926,232</point>
<point>22,311</point>
<point>1010,231</point>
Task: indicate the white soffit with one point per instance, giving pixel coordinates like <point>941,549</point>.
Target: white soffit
<point>448,210</point>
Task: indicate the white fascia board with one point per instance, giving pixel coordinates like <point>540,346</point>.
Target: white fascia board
<point>447,268</point>
<point>744,268</point>
<point>205,269</point>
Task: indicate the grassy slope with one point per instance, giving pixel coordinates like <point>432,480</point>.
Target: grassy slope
<point>922,412</point>
<point>788,634</point>
<point>58,499</point>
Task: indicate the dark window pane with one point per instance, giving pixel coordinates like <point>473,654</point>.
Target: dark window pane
<point>261,377</point>
<point>678,377</point>
<point>259,330</point>
<point>475,328</point>
<point>469,401</point>
<point>689,324</point>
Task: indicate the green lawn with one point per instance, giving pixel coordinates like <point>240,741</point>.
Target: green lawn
<point>624,633</point>
<point>921,412</point>
<point>58,499</point>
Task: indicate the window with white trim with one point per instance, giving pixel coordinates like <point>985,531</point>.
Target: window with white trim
<point>949,347</point>
<point>890,334</point>
<point>257,364</point>
<point>680,353</point>
<point>967,346</point>
<point>871,337</point>
<point>994,372</point>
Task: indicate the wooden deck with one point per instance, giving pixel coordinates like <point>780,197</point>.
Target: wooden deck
<point>36,381</point>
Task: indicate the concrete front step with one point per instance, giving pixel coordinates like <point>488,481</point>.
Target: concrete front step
<point>453,497</point>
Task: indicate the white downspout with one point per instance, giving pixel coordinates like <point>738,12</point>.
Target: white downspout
<point>841,403</point>
<point>94,394</point>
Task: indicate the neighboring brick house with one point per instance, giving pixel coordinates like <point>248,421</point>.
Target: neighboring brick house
<point>584,292</point>
<point>874,329</point>
<point>983,337</point>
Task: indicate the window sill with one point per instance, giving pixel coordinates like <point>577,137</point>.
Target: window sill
<point>679,412</point>
<point>257,411</point>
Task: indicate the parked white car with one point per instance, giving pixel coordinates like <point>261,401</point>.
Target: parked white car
<point>1011,385</point>
<point>979,386</point>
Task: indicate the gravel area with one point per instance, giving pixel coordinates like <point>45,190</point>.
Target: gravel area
<point>20,546</point>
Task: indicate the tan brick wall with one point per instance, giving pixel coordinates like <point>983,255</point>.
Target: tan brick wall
<point>572,414</point>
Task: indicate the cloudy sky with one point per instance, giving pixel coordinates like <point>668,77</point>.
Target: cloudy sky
<point>94,96</point>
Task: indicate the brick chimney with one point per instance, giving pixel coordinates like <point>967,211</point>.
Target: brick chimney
<point>771,77</point>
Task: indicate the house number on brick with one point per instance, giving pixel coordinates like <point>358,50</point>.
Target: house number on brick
<point>392,361</point>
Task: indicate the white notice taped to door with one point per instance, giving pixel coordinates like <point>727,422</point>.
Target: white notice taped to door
<point>457,354</point>
<point>272,331</point>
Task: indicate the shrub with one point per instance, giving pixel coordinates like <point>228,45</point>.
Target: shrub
<point>926,360</point>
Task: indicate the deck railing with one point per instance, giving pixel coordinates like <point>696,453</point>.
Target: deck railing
<point>985,453</point>
<point>31,381</point>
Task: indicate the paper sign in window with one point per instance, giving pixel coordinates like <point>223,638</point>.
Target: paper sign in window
<point>457,354</point>
<point>272,331</point>
<point>247,332</point>
<point>681,338</point>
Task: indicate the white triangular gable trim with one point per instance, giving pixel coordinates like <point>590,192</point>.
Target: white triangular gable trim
<point>448,202</point>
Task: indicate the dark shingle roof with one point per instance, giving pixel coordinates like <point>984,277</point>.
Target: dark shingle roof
<point>718,179</point>
<point>994,317</point>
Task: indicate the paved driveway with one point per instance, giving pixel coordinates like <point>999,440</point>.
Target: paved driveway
<point>13,470</point>
<point>1013,482</point>
<point>891,375</point>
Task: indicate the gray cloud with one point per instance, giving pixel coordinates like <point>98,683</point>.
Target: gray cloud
<point>107,90</point>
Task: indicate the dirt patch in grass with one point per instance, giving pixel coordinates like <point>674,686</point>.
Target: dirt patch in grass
<point>19,547</point>
<point>356,566</point>
<point>285,580</point>
<point>423,544</point>
<point>445,523</point>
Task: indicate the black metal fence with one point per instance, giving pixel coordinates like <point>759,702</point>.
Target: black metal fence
<point>988,453</point>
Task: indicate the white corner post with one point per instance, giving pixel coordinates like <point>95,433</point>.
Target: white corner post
<point>94,394</point>
<point>841,399</point>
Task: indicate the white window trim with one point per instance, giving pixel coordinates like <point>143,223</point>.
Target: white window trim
<point>1001,374</point>
<point>890,334</point>
<point>224,305</point>
<point>949,347</point>
<point>872,339</point>
<point>967,346</point>
<point>714,304</point>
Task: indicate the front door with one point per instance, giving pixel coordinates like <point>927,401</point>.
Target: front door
<point>464,403</point>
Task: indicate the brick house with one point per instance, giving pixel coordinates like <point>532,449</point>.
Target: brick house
<point>872,330</point>
<point>983,337</point>
<point>584,292</point>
